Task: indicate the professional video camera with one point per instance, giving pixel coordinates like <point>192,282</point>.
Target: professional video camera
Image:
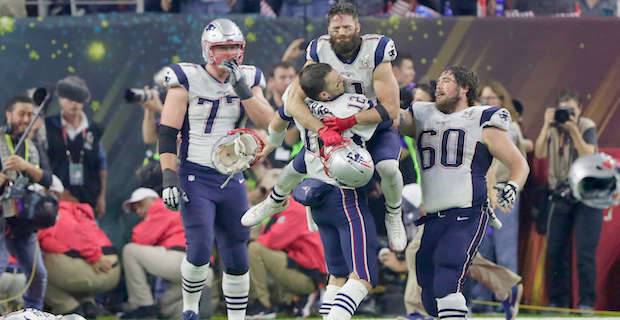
<point>137,95</point>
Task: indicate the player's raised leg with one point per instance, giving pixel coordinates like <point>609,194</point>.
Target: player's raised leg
<point>292,174</point>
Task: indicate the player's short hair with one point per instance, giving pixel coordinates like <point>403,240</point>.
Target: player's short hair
<point>568,94</point>
<point>312,79</point>
<point>281,64</point>
<point>428,86</point>
<point>398,62</point>
<point>343,7</point>
<point>465,78</point>
<point>15,99</point>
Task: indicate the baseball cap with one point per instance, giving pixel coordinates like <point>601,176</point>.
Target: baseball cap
<point>137,196</point>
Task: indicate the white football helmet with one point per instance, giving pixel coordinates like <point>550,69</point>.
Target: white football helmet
<point>595,181</point>
<point>234,152</point>
<point>348,164</point>
<point>222,32</point>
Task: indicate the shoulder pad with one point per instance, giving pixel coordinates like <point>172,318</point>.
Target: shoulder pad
<point>495,117</point>
<point>176,75</point>
<point>254,76</point>
<point>312,51</point>
<point>385,50</point>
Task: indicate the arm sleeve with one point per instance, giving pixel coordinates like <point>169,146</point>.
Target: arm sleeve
<point>386,51</point>
<point>102,158</point>
<point>495,117</point>
<point>312,51</point>
<point>44,163</point>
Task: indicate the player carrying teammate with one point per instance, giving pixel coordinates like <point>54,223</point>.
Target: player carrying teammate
<point>204,103</point>
<point>365,64</point>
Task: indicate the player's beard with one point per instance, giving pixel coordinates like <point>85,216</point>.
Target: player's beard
<point>447,105</point>
<point>346,47</point>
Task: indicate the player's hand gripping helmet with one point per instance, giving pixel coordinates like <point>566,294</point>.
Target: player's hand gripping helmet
<point>595,181</point>
<point>347,163</point>
<point>222,32</point>
<point>235,152</point>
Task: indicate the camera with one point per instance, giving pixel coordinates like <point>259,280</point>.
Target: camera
<point>137,95</point>
<point>562,114</point>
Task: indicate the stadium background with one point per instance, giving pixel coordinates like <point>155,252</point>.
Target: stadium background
<point>534,58</point>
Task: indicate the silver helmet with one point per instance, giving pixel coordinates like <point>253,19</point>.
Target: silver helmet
<point>348,164</point>
<point>222,32</point>
<point>595,181</point>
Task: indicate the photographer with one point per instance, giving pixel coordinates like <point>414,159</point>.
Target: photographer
<point>564,138</point>
<point>75,150</point>
<point>21,168</point>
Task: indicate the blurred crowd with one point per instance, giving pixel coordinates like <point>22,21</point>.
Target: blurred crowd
<point>319,8</point>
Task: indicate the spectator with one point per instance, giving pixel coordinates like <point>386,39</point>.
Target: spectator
<point>286,251</point>
<point>80,260</point>
<point>12,283</point>
<point>75,149</point>
<point>13,8</point>
<point>210,7</point>
<point>566,136</point>
<point>598,7</point>
<point>304,8</point>
<point>528,143</point>
<point>404,72</point>
<point>26,165</point>
<point>157,248</point>
<point>282,74</point>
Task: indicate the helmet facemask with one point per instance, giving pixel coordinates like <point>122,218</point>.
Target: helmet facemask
<point>216,59</point>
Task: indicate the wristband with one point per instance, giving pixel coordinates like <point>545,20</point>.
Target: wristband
<point>242,90</point>
<point>385,116</point>
<point>169,178</point>
<point>275,138</point>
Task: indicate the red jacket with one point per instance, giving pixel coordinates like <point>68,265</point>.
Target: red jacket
<point>290,233</point>
<point>161,227</point>
<point>75,230</point>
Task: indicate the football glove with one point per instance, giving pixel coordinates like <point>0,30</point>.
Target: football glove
<point>507,193</point>
<point>171,194</point>
<point>329,136</point>
<point>236,78</point>
<point>340,125</point>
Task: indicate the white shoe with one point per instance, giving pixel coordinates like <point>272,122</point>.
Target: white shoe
<point>396,231</point>
<point>262,211</point>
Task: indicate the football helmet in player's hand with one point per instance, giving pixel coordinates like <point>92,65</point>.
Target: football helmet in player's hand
<point>507,193</point>
<point>348,164</point>
<point>236,151</point>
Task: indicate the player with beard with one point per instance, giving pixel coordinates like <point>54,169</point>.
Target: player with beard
<point>456,143</point>
<point>365,64</point>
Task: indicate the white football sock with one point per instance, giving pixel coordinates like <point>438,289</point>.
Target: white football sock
<point>236,290</point>
<point>452,306</point>
<point>193,280</point>
<point>328,299</point>
<point>391,182</point>
<point>288,179</point>
<point>347,300</point>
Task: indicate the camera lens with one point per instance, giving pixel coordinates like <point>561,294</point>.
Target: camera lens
<point>134,95</point>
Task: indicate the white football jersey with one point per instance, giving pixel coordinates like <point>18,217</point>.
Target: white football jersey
<point>342,107</point>
<point>213,108</point>
<point>358,72</point>
<point>453,159</point>
<point>34,314</point>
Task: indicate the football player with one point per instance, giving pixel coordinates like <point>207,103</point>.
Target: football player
<point>456,144</point>
<point>333,192</point>
<point>364,62</point>
<point>204,103</point>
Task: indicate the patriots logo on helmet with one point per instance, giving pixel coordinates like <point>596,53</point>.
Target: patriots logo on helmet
<point>210,27</point>
<point>306,189</point>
